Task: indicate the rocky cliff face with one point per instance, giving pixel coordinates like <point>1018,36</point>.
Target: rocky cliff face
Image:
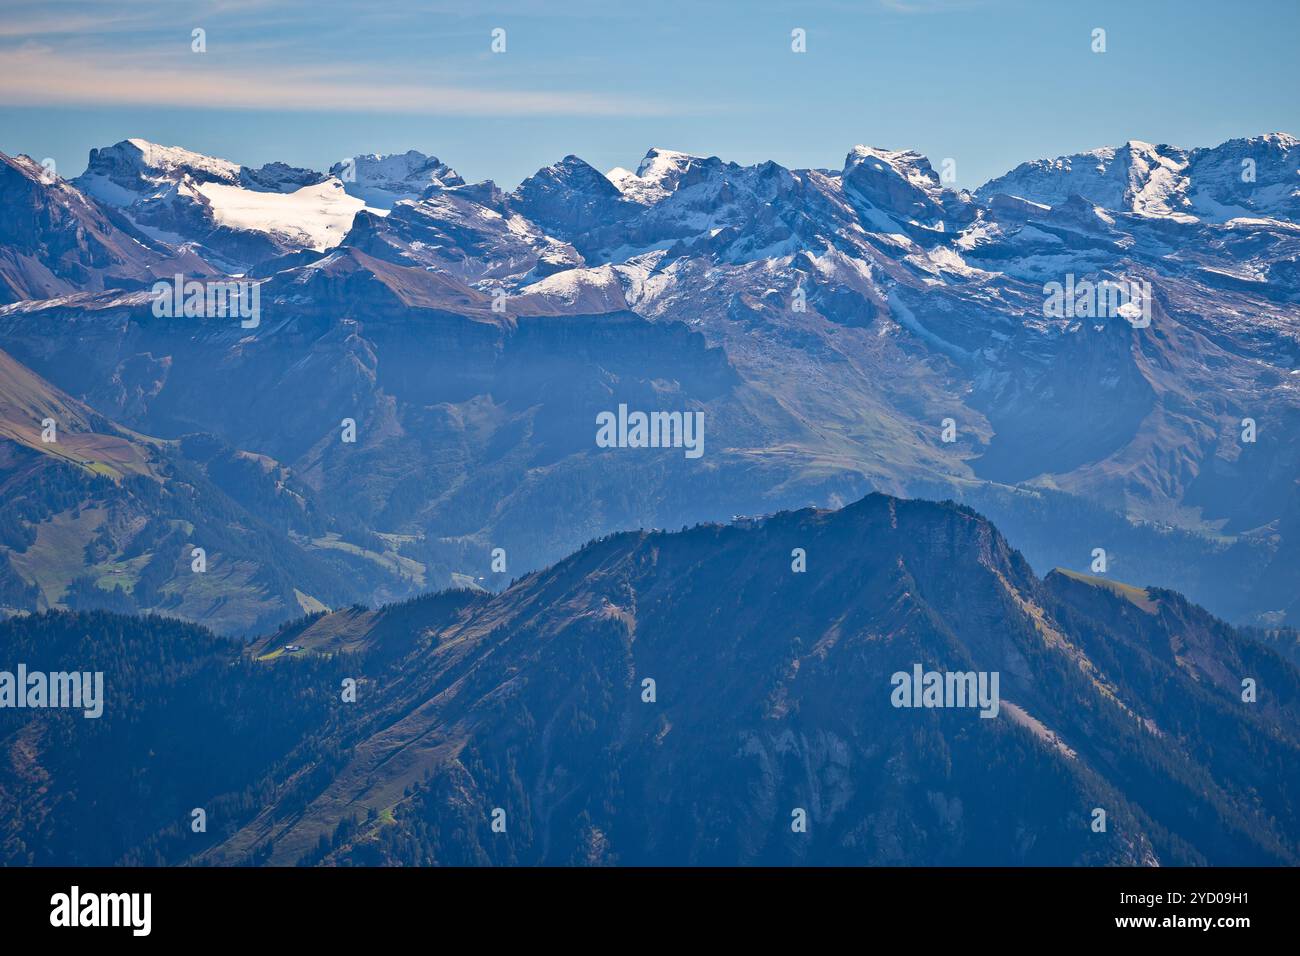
<point>55,242</point>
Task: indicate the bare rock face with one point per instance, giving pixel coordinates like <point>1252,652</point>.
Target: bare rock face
<point>55,241</point>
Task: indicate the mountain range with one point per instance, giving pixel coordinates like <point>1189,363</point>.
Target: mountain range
<point>653,516</point>
<point>841,331</point>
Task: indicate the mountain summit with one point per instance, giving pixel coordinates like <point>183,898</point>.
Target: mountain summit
<point>728,694</point>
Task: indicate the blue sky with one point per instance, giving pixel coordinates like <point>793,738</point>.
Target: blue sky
<point>987,82</point>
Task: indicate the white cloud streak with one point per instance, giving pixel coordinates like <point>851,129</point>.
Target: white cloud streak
<point>38,75</point>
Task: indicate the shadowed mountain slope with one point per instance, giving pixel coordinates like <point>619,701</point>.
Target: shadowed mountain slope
<point>772,692</point>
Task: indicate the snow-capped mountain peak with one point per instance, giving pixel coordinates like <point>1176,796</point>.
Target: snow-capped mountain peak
<point>1257,177</point>
<point>908,163</point>
<point>1251,178</point>
<point>382,180</point>
<point>173,160</point>
<point>659,174</point>
<point>659,163</point>
<point>236,214</point>
<point>900,184</point>
<point>1136,177</point>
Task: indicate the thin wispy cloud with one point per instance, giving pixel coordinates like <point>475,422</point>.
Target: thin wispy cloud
<point>266,55</point>
<point>986,82</point>
<point>40,76</point>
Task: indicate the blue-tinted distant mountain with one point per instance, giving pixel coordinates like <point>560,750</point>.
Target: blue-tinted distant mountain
<point>104,517</point>
<point>826,322</point>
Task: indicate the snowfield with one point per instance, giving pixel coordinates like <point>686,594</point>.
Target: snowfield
<point>315,217</point>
